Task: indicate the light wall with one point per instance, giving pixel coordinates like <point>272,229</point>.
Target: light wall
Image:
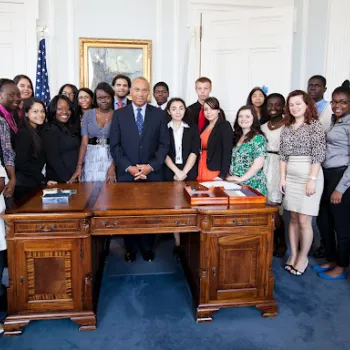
<point>169,24</point>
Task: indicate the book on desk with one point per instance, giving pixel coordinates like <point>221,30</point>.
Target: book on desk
<point>222,193</point>
<point>57,195</point>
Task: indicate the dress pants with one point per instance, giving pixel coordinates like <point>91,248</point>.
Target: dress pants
<point>132,243</point>
<point>334,219</point>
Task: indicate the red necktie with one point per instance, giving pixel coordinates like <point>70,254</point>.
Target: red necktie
<point>201,119</point>
<point>120,104</point>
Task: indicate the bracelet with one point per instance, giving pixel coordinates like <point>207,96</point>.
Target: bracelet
<point>313,178</point>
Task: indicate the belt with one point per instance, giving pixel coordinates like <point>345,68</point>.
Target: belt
<point>341,168</point>
<point>273,152</point>
<point>98,141</point>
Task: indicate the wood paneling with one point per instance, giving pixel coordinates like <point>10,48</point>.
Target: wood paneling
<point>55,271</point>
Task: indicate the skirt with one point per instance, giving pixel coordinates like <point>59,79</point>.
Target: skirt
<point>97,161</point>
<point>298,170</point>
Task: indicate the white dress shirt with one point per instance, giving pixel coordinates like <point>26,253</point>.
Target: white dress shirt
<point>178,135</point>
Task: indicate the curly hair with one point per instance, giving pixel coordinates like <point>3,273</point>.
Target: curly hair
<point>254,129</point>
<point>310,113</point>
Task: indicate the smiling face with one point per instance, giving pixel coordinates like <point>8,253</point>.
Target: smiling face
<point>245,119</point>
<point>84,100</point>
<point>211,114</point>
<point>68,91</point>
<point>25,88</point>
<point>258,99</point>
<point>10,97</point>
<point>63,111</point>
<point>121,88</point>
<point>275,107</point>
<point>340,104</point>
<point>177,110</point>
<point>297,106</point>
<point>36,115</point>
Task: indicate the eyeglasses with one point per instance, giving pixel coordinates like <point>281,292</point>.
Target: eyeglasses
<point>342,102</point>
<point>84,98</point>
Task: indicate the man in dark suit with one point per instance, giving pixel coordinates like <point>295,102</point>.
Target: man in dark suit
<point>121,85</point>
<point>139,142</point>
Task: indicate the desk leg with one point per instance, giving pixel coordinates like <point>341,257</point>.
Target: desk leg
<point>205,314</point>
<point>268,309</point>
<point>86,322</point>
<point>13,326</point>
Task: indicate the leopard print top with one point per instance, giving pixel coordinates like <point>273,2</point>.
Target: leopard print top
<point>307,140</point>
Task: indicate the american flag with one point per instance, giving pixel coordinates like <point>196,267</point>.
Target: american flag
<point>42,89</point>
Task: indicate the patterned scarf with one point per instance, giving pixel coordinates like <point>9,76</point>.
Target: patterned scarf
<point>9,118</point>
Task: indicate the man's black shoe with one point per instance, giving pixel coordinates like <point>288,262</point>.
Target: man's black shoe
<point>148,256</point>
<point>130,257</point>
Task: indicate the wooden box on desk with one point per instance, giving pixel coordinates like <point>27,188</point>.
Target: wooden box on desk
<point>252,196</point>
<point>200,195</point>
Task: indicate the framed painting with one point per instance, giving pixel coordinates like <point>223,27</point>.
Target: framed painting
<point>103,59</point>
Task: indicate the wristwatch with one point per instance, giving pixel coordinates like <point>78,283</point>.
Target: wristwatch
<point>312,178</point>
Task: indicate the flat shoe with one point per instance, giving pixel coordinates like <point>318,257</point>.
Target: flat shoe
<point>319,268</point>
<point>343,276</point>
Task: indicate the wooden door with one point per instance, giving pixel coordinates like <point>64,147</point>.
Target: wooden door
<point>247,48</point>
<point>237,265</point>
<point>49,275</point>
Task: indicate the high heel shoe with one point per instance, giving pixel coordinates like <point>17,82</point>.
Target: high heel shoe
<point>299,272</point>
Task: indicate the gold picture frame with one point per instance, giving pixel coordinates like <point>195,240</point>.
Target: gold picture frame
<point>103,59</point>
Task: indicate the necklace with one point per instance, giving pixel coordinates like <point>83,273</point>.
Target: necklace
<point>275,126</point>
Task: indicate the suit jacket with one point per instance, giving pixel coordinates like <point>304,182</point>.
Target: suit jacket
<point>190,144</point>
<point>61,149</point>
<point>219,149</point>
<point>129,149</point>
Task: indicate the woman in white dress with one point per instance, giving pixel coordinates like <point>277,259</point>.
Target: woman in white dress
<point>272,130</point>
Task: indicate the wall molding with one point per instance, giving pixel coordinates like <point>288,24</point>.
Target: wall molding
<point>338,44</point>
<point>176,46</point>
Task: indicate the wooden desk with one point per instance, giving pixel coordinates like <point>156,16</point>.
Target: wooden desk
<point>56,251</point>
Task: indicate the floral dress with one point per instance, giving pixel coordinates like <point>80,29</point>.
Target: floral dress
<point>243,157</point>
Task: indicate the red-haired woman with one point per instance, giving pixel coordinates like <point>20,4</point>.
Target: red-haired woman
<point>302,150</point>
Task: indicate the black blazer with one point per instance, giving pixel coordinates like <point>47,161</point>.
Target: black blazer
<point>28,166</point>
<point>190,144</point>
<point>129,149</point>
<point>61,151</point>
<point>219,149</point>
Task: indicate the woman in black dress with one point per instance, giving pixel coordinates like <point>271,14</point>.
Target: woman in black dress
<point>61,145</point>
<point>30,157</point>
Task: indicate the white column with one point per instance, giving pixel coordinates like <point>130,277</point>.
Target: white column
<point>338,44</point>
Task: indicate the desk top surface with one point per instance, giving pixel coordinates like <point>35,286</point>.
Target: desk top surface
<point>130,198</point>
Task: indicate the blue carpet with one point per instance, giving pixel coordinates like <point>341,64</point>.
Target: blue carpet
<point>155,312</point>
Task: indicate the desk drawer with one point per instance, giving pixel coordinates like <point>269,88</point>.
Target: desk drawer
<point>122,222</point>
<point>239,220</point>
<point>47,226</point>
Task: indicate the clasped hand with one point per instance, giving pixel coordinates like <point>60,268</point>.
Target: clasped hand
<point>140,171</point>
